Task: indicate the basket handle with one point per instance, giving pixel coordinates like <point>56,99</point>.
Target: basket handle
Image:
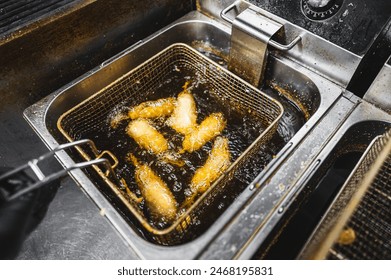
<point>43,179</point>
<point>274,44</point>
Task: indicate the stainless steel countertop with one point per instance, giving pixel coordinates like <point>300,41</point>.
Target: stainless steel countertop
<point>73,229</point>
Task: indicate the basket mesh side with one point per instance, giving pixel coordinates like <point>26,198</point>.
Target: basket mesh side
<point>371,221</point>
<point>363,207</point>
<point>140,82</point>
<point>137,84</point>
<point>134,85</point>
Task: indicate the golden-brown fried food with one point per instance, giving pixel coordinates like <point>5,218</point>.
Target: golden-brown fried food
<point>184,117</point>
<point>153,109</point>
<point>147,136</point>
<point>159,199</point>
<point>347,236</point>
<point>148,110</point>
<point>217,163</point>
<point>210,127</point>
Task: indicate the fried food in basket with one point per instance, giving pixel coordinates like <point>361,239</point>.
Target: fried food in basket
<point>347,236</point>
<point>209,128</point>
<point>147,136</point>
<point>153,109</point>
<point>158,198</point>
<point>184,116</point>
<point>162,107</point>
<point>217,163</point>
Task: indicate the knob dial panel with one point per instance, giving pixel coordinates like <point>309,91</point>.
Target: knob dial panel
<point>319,10</point>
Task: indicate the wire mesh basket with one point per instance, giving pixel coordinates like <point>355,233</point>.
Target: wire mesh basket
<point>357,225</point>
<point>86,119</point>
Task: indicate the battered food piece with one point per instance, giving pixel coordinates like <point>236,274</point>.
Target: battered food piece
<point>158,198</point>
<point>217,163</point>
<point>153,109</point>
<point>148,110</point>
<point>347,236</point>
<point>147,136</point>
<point>184,118</point>
<point>210,127</point>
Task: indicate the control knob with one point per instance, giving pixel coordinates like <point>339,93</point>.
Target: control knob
<point>320,9</point>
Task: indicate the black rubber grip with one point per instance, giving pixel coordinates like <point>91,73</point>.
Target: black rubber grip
<point>372,62</point>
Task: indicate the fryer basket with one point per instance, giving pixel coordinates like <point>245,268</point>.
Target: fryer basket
<point>358,223</point>
<point>136,84</point>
